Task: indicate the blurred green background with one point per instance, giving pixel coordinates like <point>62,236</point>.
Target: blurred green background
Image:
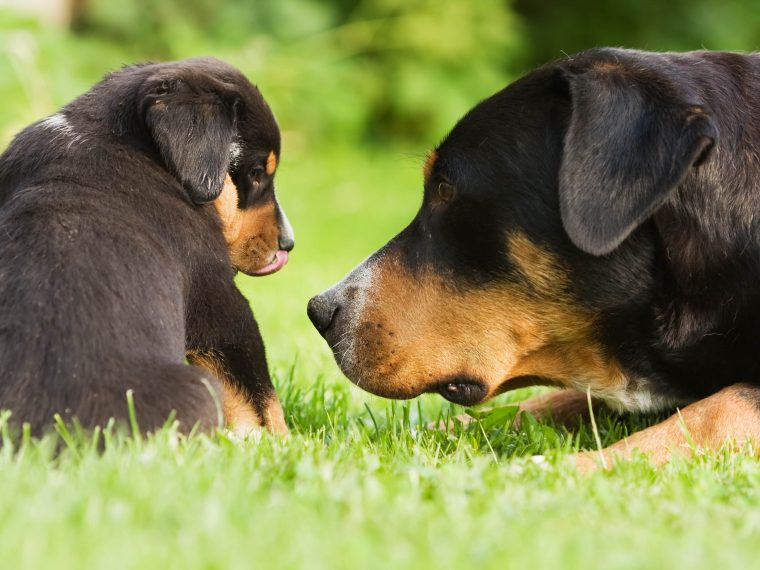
<point>361,90</point>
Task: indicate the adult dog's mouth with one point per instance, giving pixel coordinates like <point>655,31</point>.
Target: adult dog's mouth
<point>464,392</point>
<point>278,261</point>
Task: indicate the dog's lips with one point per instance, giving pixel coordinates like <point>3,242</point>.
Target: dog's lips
<point>462,391</point>
<point>278,262</point>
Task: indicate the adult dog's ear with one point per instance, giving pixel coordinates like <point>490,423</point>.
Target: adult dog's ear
<point>630,141</point>
<point>194,127</point>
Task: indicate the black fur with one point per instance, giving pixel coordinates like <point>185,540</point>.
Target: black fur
<point>606,189</point>
<point>110,271</point>
<point>194,132</point>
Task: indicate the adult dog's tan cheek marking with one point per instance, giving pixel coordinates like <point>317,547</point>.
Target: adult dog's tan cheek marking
<point>569,352</point>
<point>271,166</point>
<point>415,331</point>
<point>539,267</point>
<point>427,167</point>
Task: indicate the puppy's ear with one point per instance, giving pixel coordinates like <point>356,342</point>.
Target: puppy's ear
<point>629,143</point>
<point>194,128</point>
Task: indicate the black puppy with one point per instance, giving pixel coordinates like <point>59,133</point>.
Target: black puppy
<point>593,226</point>
<point>114,269</point>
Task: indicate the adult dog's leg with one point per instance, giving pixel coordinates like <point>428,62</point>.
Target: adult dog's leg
<point>730,416</point>
<point>230,345</point>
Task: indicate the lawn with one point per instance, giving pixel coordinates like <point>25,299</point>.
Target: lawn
<point>361,482</point>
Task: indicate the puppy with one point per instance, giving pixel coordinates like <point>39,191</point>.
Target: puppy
<point>593,226</point>
<point>124,219</point>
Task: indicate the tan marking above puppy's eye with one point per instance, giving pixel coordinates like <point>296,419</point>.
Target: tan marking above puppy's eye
<point>271,163</point>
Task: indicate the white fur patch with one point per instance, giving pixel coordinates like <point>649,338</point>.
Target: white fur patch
<point>286,229</point>
<point>61,127</point>
<point>57,123</point>
<point>634,395</point>
<point>236,149</point>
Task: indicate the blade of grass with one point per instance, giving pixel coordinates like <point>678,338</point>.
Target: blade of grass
<point>594,429</point>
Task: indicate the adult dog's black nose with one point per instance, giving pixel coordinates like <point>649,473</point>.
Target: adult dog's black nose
<point>321,310</point>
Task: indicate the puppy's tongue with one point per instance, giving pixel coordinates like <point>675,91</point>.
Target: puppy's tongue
<point>280,259</point>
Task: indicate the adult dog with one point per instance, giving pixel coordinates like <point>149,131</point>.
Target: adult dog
<point>593,226</point>
<point>114,265</point>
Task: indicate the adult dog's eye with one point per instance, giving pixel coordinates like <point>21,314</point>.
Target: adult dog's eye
<point>444,192</point>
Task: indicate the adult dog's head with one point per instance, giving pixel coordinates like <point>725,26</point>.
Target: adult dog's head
<point>534,225</point>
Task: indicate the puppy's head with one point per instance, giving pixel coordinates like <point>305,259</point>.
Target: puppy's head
<point>217,135</point>
<point>532,225</point>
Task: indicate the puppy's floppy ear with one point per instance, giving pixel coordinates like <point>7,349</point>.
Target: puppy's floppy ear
<point>194,127</point>
<point>630,141</point>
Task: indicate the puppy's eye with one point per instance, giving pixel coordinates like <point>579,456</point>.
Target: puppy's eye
<point>444,192</point>
<point>257,174</point>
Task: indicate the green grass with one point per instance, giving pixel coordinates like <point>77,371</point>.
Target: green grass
<point>362,483</point>
<point>345,495</point>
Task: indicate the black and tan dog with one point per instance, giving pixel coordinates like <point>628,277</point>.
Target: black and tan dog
<point>115,267</point>
<point>593,226</point>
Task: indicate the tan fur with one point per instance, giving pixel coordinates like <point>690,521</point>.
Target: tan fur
<point>415,330</point>
<point>271,166</point>
<point>427,167</point>
<point>237,409</point>
<point>252,234</point>
<point>606,66</point>
<point>730,416</point>
<point>274,418</point>
<point>239,414</point>
<point>538,266</point>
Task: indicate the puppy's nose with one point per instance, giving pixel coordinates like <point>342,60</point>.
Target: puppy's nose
<point>321,310</point>
<point>286,239</point>
<point>286,243</point>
